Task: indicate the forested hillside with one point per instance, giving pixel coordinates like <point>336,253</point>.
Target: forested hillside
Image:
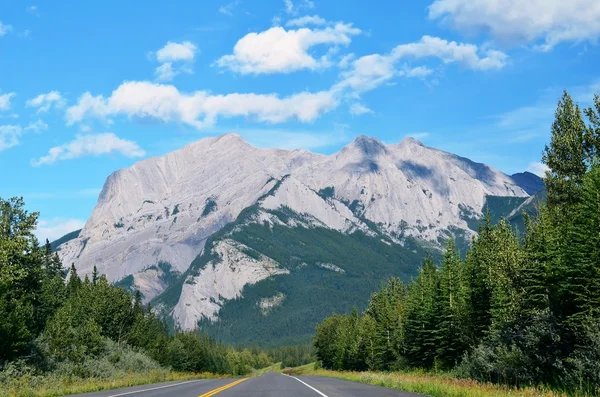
<point>522,308</point>
<point>69,329</point>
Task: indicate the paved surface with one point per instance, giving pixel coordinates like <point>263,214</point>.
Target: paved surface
<point>267,385</point>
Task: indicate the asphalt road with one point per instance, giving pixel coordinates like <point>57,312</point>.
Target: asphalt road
<point>267,385</point>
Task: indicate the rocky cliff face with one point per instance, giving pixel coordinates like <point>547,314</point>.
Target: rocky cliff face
<point>164,209</point>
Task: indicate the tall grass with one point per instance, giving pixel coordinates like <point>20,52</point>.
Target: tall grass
<point>117,366</point>
<point>53,385</point>
<point>436,385</point>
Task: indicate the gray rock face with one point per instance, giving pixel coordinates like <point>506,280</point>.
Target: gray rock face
<point>164,209</point>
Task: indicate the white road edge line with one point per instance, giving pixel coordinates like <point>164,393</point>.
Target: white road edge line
<point>307,385</point>
<point>154,388</point>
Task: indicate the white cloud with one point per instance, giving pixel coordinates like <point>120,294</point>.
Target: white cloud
<point>468,55</point>
<point>371,71</point>
<point>5,101</point>
<point>165,72</point>
<point>292,8</point>
<point>45,101</point>
<point>171,52</point>
<point>9,136</point>
<point>54,229</point>
<point>175,58</point>
<point>357,109</point>
<point>306,20</point>
<point>37,126</point>
<point>5,29</point>
<point>538,168</point>
<point>289,6</point>
<point>277,50</point>
<point>227,9</point>
<point>91,145</point>
<point>548,21</point>
<point>199,109</point>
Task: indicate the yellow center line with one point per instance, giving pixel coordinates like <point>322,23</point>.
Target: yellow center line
<point>220,389</point>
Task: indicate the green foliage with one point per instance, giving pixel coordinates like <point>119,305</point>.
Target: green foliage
<point>519,309</point>
<point>312,293</point>
<point>327,192</point>
<point>209,207</point>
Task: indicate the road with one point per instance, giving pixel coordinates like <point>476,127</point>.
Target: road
<point>267,385</point>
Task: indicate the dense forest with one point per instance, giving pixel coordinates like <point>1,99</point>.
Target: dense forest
<point>53,322</point>
<point>518,308</point>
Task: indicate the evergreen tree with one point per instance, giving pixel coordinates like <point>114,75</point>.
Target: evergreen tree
<point>421,327</point>
<point>580,288</point>
<point>95,275</point>
<point>74,283</point>
<point>453,308</point>
<point>566,156</point>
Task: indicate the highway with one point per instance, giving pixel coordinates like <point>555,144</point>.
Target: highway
<point>268,385</point>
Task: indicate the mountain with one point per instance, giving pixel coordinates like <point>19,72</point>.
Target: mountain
<point>530,182</point>
<point>222,233</point>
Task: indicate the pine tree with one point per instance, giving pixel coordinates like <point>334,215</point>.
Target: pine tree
<point>566,156</point>
<point>453,308</point>
<point>478,285</point>
<point>95,275</point>
<point>74,283</point>
<point>421,327</point>
<point>580,288</point>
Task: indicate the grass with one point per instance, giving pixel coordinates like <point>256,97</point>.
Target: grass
<point>50,386</point>
<point>275,368</point>
<point>436,385</point>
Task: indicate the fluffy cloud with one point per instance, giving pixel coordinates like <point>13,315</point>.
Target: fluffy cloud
<point>44,102</point>
<point>165,72</point>
<point>307,20</point>
<point>468,55</point>
<point>277,50</point>
<point>551,21</point>
<point>4,29</point>
<point>175,58</point>
<point>5,101</point>
<point>357,109</point>
<point>171,52</point>
<point>91,145</point>
<point>538,168</point>
<point>37,126</point>
<point>199,109</point>
<point>54,229</point>
<point>371,71</point>
<point>9,136</point>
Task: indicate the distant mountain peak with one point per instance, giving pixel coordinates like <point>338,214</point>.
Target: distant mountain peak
<point>367,145</point>
<point>409,140</point>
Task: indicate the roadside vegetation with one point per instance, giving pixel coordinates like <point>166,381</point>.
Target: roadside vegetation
<point>518,310</point>
<point>427,383</point>
<point>60,334</point>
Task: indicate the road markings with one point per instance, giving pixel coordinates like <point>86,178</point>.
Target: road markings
<point>305,384</point>
<point>220,389</point>
<point>154,388</point>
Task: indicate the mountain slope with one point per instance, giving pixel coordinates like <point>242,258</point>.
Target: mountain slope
<point>206,226</point>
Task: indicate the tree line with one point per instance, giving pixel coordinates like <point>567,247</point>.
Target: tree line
<point>51,318</point>
<point>520,308</point>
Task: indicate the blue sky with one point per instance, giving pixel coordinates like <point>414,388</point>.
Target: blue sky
<point>87,88</point>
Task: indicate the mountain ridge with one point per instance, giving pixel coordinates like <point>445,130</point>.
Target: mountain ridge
<point>165,209</point>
